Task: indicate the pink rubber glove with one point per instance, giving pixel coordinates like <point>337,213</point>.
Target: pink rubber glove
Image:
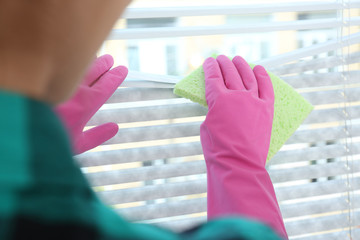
<point>235,137</point>
<point>97,87</point>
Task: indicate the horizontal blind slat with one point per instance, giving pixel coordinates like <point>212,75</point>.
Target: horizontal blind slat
<point>293,229</point>
<point>315,97</point>
<point>146,84</point>
<point>156,132</point>
<point>163,210</point>
<point>332,96</point>
<point>320,224</point>
<point>166,32</point>
<point>147,173</point>
<point>313,171</point>
<point>183,110</point>
<point>313,153</point>
<point>199,205</point>
<point>315,189</point>
<point>151,192</point>
<point>122,95</point>
<point>138,114</point>
<point>182,225</point>
<point>322,134</point>
<point>298,81</point>
<point>138,13</point>
<point>321,206</point>
<point>315,64</point>
<point>136,75</point>
<point>355,234</point>
<point>322,79</point>
<point>139,154</point>
<point>312,50</point>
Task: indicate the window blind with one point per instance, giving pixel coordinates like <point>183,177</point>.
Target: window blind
<point>153,171</point>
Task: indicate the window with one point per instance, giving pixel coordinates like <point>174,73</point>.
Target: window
<point>153,171</point>
<point>142,51</point>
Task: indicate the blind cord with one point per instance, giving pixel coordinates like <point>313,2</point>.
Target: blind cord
<point>344,54</point>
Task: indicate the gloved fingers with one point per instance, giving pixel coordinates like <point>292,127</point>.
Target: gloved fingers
<point>214,82</point>
<point>266,91</point>
<point>92,98</point>
<point>230,74</point>
<point>246,73</point>
<point>95,137</point>
<point>100,66</point>
<point>108,83</point>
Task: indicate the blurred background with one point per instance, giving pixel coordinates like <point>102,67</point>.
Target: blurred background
<point>180,55</point>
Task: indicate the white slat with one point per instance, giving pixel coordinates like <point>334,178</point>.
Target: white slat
<point>151,192</point>
<point>315,64</point>
<point>156,132</point>
<point>163,210</point>
<point>322,79</point>
<point>182,225</point>
<point>322,206</point>
<point>313,153</point>
<point>312,172</point>
<point>320,224</point>
<point>146,84</point>
<point>138,13</point>
<point>310,51</point>
<point>136,75</point>
<point>354,233</point>
<point>333,96</point>
<point>124,95</point>
<point>322,134</point>
<point>147,173</point>
<point>166,32</point>
<point>297,228</point>
<point>192,168</point>
<point>183,110</point>
<point>137,114</point>
<point>141,154</point>
<point>315,189</point>
<point>199,205</point>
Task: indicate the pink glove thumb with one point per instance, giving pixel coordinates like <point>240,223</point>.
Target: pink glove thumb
<point>97,87</point>
<point>235,137</point>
